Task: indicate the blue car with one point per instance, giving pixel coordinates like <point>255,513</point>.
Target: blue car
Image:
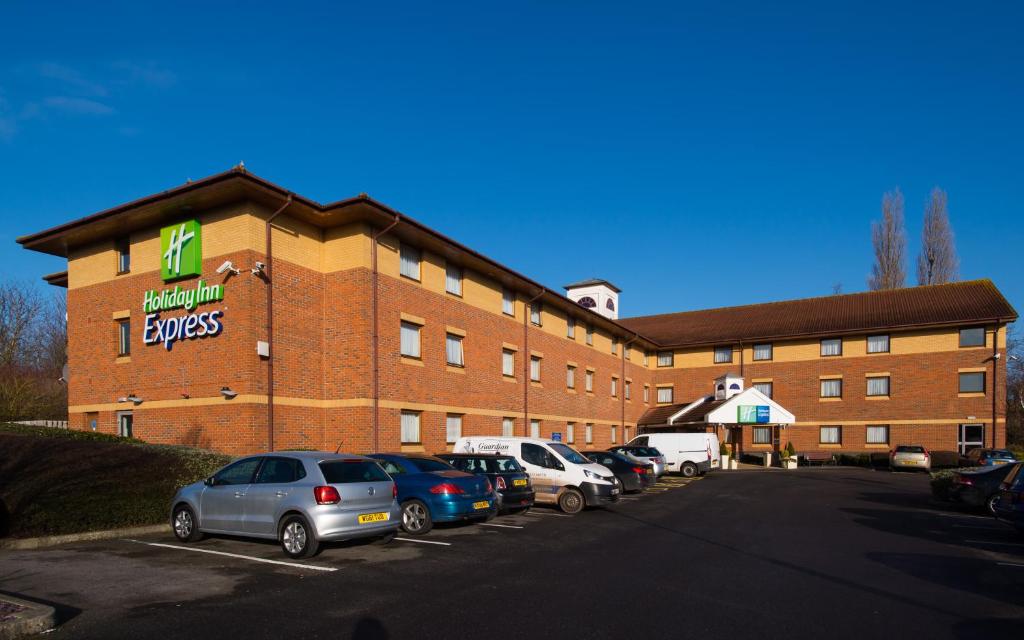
<point>431,490</point>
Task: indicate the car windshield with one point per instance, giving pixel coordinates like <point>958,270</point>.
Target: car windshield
<point>568,453</point>
<point>486,464</point>
<point>345,471</point>
<point>647,452</point>
<point>909,449</point>
<point>427,465</point>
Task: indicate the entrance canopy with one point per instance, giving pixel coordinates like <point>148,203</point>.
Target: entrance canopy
<point>749,406</point>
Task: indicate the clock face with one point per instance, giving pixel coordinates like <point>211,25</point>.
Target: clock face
<point>586,302</point>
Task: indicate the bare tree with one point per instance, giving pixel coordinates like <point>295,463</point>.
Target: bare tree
<point>937,263</point>
<point>1015,389</point>
<point>889,238</point>
<point>837,288</point>
<point>33,346</point>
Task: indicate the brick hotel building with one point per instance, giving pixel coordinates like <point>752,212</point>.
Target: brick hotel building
<point>231,314</point>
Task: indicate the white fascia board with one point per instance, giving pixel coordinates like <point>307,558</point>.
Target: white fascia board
<point>726,414</point>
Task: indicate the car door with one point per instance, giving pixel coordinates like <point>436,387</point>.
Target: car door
<point>278,477</point>
<point>222,506</point>
<point>538,463</point>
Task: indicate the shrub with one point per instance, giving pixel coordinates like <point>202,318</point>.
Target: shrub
<point>789,451</point>
<point>723,449</point>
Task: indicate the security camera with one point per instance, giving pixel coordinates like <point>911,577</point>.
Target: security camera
<point>260,266</point>
<point>228,393</point>
<point>227,266</point>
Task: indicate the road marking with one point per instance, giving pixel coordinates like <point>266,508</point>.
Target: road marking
<point>1001,544</point>
<point>971,526</point>
<point>235,555</point>
<point>545,513</point>
<point>443,544</point>
<point>503,526</point>
<point>957,515</point>
<point>1011,564</point>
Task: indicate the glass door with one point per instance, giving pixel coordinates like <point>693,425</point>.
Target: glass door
<point>124,424</point>
<point>971,436</point>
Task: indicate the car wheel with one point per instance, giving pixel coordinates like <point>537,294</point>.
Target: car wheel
<point>416,518</point>
<point>386,538</point>
<point>571,501</point>
<point>186,528</point>
<point>297,538</point>
<point>688,470</point>
<point>990,504</point>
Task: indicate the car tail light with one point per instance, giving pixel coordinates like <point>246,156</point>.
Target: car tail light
<point>963,480</point>
<point>501,483</point>
<point>326,495</point>
<point>640,470</point>
<point>446,488</point>
<point>394,491</point>
<point>925,454</point>
<point>490,488</point>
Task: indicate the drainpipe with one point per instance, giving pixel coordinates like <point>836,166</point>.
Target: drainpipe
<point>995,379</point>
<point>622,421</point>
<point>741,360</point>
<point>526,361</point>
<point>374,338</point>
<point>270,323</point>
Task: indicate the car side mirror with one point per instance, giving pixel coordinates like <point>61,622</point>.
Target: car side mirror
<point>210,481</point>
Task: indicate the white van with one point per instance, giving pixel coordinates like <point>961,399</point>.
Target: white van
<point>689,454</point>
<point>559,474</point>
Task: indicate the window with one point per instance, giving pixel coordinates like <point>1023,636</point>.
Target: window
<point>625,434</point>
<point>453,279</point>
<point>590,335</point>
<point>570,327</point>
<point>570,376</point>
<point>124,256</point>
<point>590,381</point>
<point>239,473</point>
<point>453,428</point>
<point>615,434</point>
<point>410,339</point>
<point>615,386</point>
<point>350,471</point>
<point>830,435</point>
<point>589,433</point>
<point>284,470</point>
<point>647,358</point>
<point>535,368</point>
<point>762,435</point>
<point>832,347</point>
<point>508,363</point>
<point>647,393</point>
<point>534,428</point>
<point>508,302</point>
<point>409,257</point>
<point>878,344</point>
<point>410,427</point>
<point>615,346</point>
<point>570,432</point>
<point>762,352</point>
<point>972,337</point>
<point>628,385</point>
<point>453,349</point>
<point>665,358</point>
<point>878,386</point>
<point>586,302</point>
<point>972,382</point>
<point>664,394</point>
<point>764,387</point>
<point>535,314</point>
<point>723,354</point>
<point>609,305</point>
<point>508,427</point>
<point>124,337</point>
<point>878,434</point>
<point>832,388</point>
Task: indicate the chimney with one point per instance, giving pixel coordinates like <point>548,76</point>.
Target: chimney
<point>597,295</point>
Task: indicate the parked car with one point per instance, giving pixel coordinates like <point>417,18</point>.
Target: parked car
<point>298,498</point>
<point>689,454</point>
<point>559,474</point>
<point>1010,505</point>
<point>646,454</point>
<point>910,456</point>
<point>979,487</point>
<point>989,457</point>
<point>635,476</point>
<point>430,490</point>
<point>511,482</point>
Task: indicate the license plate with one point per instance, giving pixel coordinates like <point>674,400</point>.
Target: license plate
<point>483,504</point>
<point>374,517</point>
<point>650,472</point>
<point>519,483</point>
<point>615,492</point>
<point>910,462</point>
<point>999,462</point>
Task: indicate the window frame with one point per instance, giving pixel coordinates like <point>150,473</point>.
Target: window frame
<point>721,350</point>
<point>590,335</point>
<point>419,426</point>
<point>535,428</point>
<point>448,427</point>
<point>821,348</point>
<point>647,394</point>
<point>615,386</point>
<point>821,387</point>
<point>671,355</point>
<point>588,433</point>
<point>403,257</point>
<point>838,430</point>
<point>570,327</point>
<point>984,381</point>
<point>615,346</point>
<point>511,424</point>
<point>570,432</point>
<point>671,395</point>
<point>867,432</point>
<point>511,373</point>
<point>123,249</point>
<point>754,433</point>
<point>888,386</point>
<point>406,324</point>
<point>508,302</point>
<point>771,352</point>
<point>626,389</point>
<point>984,337</point>
<point>449,268</point>
<point>771,388</point>
<point>888,343</point>
<point>570,376</point>
<point>124,337</point>
<point>457,339</point>
<point>535,371</point>
<point>536,310</point>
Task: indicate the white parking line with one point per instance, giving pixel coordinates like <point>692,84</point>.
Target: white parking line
<point>1011,564</point>
<point>1001,544</point>
<point>444,544</point>
<point>971,526</point>
<point>503,526</point>
<point>235,555</point>
<point>545,513</point>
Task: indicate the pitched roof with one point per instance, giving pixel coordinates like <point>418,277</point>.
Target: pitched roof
<point>591,282</point>
<point>941,304</point>
<point>660,415</point>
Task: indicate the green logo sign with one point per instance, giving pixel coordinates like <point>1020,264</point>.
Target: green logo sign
<point>181,250</point>
<point>753,414</point>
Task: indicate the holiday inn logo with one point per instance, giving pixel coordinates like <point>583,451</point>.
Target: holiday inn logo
<point>181,250</point>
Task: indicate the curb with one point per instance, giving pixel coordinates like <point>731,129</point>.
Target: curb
<point>106,534</point>
<point>34,618</point>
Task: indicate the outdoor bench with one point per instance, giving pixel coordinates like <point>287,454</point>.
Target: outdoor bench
<point>819,457</point>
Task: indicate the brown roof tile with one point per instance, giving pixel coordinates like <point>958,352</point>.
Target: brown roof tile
<point>942,304</point>
<point>660,415</point>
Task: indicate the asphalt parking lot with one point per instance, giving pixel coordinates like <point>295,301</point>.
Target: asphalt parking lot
<point>811,553</point>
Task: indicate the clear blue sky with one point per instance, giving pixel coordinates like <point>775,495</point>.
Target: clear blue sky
<point>696,156</point>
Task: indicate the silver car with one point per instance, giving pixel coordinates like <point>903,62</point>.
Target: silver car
<point>910,456</point>
<point>644,454</point>
<point>298,498</point>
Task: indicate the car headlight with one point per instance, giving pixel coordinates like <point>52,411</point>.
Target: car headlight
<point>590,474</point>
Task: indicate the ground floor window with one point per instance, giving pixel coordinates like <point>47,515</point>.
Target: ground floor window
<point>831,435</point>
<point>878,434</point>
<point>762,435</point>
<point>508,427</point>
<point>590,433</point>
<point>570,432</point>
<point>453,428</point>
<point>534,428</point>
<point>614,434</point>
<point>410,427</point>
<point>125,421</point>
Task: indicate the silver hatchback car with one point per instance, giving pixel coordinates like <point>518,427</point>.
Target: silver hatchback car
<point>910,456</point>
<point>298,498</point>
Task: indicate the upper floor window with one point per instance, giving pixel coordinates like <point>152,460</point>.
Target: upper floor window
<point>570,376</point>
<point>664,394</point>
<point>124,337</point>
<point>535,311</point>
<point>453,279</point>
<point>615,346</point>
<point>878,344</point>
<point>535,368</point>
<point>615,386</point>
<point>665,358</point>
<point>586,302</point>
<point>764,387</point>
<point>453,349</point>
<point>508,302</point>
<point>878,386</point>
<point>629,394</point>
<point>508,362</point>
<point>832,347</point>
<point>647,393</point>
<point>609,305</point>
<point>972,382</point>
<point>972,337</point>
<point>409,257</point>
<point>570,327</point>
<point>626,351</point>
<point>124,256</point>
<point>590,335</point>
<point>763,351</point>
<point>410,342</point>
<point>647,358</point>
<point>832,388</point>
<point>723,354</point>
<point>590,381</point>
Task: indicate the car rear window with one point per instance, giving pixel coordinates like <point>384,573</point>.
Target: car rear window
<point>909,449</point>
<point>647,452</point>
<point>486,464</point>
<point>430,464</point>
<point>1000,453</point>
<point>345,471</point>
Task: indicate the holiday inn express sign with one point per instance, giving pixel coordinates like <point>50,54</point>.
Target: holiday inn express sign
<point>181,256</point>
